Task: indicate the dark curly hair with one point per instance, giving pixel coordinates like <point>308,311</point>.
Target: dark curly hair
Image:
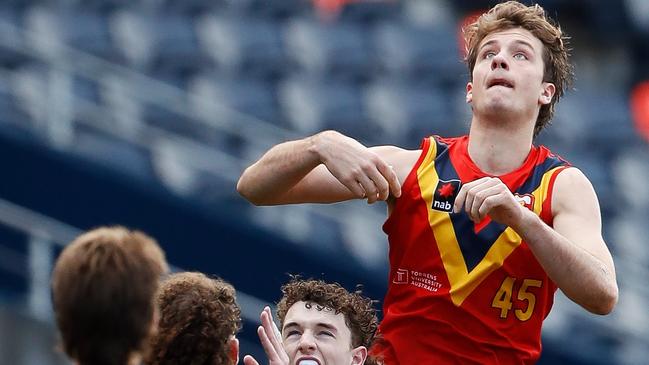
<point>512,14</point>
<point>358,310</point>
<point>198,317</point>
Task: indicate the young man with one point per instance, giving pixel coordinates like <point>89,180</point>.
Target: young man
<point>482,228</point>
<point>103,290</point>
<point>322,324</point>
<point>199,319</point>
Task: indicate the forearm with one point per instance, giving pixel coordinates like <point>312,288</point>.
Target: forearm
<point>280,169</point>
<point>584,278</point>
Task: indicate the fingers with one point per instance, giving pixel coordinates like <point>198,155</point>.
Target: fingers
<point>464,198</point>
<point>276,331</point>
<point>249,360</point>
<point>369,188</point>
<point>378,180</point>
<point>476,209</point>
<point>270,333</point>
<point>473,195</point>
<point>391,176</point>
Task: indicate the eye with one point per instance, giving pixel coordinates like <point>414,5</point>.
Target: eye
<point>488,55</point>
<point>520,56</point>
<point>292,333</point>
<point>327,333</point>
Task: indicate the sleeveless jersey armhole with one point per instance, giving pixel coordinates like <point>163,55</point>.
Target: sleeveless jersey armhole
<point>546,210</point>
<point>411,179</point>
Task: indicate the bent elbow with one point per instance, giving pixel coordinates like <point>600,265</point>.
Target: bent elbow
<point>606,302</point>
<point>244,191</point>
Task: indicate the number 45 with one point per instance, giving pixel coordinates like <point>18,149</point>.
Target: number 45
<point>503,298</point>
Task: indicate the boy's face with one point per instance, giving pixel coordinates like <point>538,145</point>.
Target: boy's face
<point>318,337</point>
<point>508,76</point>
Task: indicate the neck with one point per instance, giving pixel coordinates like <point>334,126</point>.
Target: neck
<point>499,148</point>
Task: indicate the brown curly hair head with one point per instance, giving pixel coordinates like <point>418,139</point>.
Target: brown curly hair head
<point>513,14</point>
<point>358,310</point>
<point>198,317</point>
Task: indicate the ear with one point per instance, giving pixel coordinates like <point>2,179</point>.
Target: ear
<point>359,355</point>
<point>469,92</point>
<point>233,345</point>
<point>547,93</point>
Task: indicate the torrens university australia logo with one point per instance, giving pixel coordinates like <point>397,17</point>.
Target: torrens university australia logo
<point>445,194</point>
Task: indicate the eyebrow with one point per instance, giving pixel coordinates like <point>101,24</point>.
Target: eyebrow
<point>321,324</point>
<point>517,41</point>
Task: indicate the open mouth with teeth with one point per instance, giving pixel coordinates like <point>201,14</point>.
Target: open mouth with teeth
<point>500,82</point>
<point>308,362</point>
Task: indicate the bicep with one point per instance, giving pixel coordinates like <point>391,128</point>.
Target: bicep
<point>577,214</point>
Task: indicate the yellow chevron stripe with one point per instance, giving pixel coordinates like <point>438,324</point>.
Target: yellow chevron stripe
<point>463,282</point>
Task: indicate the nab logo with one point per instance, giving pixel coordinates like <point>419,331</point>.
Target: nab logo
<point>445,194</point>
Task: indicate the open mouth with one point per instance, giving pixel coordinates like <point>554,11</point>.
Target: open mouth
<point>309,361</point>
<point>500,82</point>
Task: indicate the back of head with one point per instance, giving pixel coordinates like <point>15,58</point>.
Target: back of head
<point>358,310</point>
<point>198,317</point>
<point>512,14</point>
<point>103,289</point>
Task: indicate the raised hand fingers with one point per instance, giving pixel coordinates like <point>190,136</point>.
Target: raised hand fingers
<point>270,332</point>
<point>267,344</point>
<point>249,360</point>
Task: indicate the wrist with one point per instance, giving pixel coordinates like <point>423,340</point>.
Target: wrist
<point>526,222</point>
<point>316,145</point>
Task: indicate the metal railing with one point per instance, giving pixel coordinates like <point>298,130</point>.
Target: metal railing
<point>44,234</point>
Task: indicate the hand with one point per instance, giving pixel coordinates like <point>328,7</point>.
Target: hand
<point>489,196</point>
<point>271,341</point>
<point>362,171</point>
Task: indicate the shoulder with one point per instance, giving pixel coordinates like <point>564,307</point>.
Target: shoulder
<point>402,160</point>
<point>571,190</point>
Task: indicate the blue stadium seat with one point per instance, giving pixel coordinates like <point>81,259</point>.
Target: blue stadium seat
<point>10,32</point>
<point>29,91</point>
<point>165,44</point>
<point>112,152</point>
<point>335,50</point>
<point>190,7</point>
<point>84,31</point>
<point>419,54</point>
<point>406,113</point>
<point>224,97</point>
<point>312,106</point>
<point>243,45</point>
<point>277,9</point>
<point>370,11</point>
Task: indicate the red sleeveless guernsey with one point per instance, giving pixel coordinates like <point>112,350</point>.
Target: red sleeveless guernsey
<point>459,292</point>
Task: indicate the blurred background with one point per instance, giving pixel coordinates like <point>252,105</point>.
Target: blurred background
<point>144,113</point>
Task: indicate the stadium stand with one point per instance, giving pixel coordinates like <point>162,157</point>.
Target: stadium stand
<point>148,111</point>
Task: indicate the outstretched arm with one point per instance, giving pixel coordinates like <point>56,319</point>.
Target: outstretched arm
<point>572,252</point>
<point>324,168</point>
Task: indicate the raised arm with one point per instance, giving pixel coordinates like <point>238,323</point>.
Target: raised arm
<point>572,252</point>
<point>324,168</point>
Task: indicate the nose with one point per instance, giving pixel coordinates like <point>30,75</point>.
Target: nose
<point>307,343</point>
<point>498,61</point>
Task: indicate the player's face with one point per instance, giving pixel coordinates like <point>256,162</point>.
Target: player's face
<point>508,76</point>
<point>317,337</point>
